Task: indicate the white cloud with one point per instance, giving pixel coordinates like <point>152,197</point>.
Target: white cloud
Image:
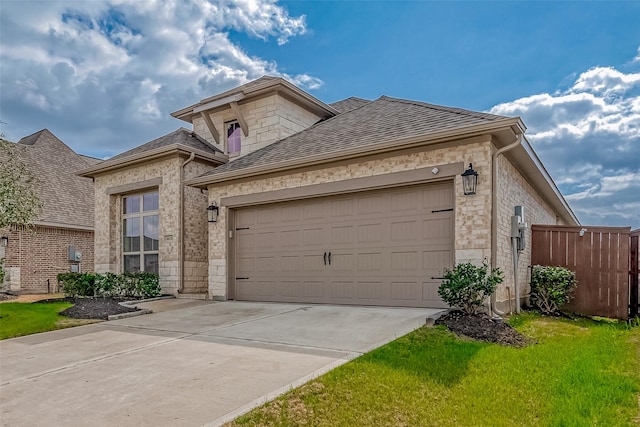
<point>588,136</point>
<point>106,74</point>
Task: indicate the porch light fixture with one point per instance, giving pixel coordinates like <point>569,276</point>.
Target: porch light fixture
<point>4,241</point>
<point>469,181</point>
<point>212,212</point>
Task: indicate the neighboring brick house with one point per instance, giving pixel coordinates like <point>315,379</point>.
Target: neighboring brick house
<point>355,202</point>
<point>34,256</point>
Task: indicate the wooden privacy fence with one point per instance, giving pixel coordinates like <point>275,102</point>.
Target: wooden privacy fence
<point>601,257</point>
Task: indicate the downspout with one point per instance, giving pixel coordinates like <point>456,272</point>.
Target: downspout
<point>494,212</point>
<point>181,243</point>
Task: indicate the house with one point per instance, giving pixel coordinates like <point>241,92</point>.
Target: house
<point>61,238</point>
<point>355,202</point>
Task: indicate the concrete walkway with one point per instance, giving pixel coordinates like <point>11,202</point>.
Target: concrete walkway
<point>190,363</point>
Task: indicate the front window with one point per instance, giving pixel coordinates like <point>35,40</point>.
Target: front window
<point>140,232</point>
<point>234,140</point>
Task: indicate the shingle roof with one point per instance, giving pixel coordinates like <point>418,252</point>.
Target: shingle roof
<point>180,136</point>
<point>383,120</point>
<point>66,197</point>
<point>349,104</point>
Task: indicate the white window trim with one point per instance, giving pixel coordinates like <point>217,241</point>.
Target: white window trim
<point>226,138</point>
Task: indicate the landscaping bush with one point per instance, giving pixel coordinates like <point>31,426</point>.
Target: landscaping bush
<point>467,286</point>
<point>2,272</point>
<point>127,285</point>
<point>551,287</point>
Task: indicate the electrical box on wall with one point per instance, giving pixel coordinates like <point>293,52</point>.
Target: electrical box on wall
<point>74,256</point>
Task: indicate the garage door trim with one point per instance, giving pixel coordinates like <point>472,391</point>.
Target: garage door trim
<point>231,215</point>
<point>415,176</point>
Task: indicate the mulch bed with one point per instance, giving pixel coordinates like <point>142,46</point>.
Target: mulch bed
<point>483,328</point>
<point>93,308</point>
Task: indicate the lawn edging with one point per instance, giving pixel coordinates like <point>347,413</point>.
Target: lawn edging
<point>140,312</point>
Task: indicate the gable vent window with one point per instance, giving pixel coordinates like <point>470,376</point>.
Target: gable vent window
<point>234,140</point>
<point>140,232</point>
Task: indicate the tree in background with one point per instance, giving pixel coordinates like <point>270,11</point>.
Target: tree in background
<point>19,202</point>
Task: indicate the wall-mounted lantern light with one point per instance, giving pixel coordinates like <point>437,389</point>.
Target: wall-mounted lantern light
<point>4,241</point>
<point>212,212</point>
<point>469,181</point>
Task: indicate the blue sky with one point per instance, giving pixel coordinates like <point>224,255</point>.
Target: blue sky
<point>104,75</point>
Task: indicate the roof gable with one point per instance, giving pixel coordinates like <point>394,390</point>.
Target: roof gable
<point>180,136</point>
<point>383,120</point>
<point>67,198</point>
<point>348,104</point>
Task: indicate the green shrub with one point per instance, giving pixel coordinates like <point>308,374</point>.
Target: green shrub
<point>127,285</point>
<point>467,286</point>
<point>2,272</point>
<point>551,287</point>
<point>77,284</point>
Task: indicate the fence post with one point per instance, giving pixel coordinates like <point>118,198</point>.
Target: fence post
<point>633,272</point>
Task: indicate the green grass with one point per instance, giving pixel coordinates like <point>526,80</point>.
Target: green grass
<point>18,318</point>
<point>580,373</point>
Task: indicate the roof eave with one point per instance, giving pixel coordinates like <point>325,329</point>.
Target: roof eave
<point>156,153</point>
<point>387,146</point>
<point>279,85</point>
<point>538,176</point>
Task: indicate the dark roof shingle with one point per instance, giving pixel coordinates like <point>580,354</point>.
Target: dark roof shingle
<point>180,136</point>
<point>67,198</point>
<point>348,104</point>
<point>383,120</point>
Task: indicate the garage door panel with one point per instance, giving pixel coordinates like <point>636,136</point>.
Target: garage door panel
<point>313,288</point>
<point>371,233</point>
<point>385,246</point>
<point>437,229</point>
<point>343,290</point>
<point>343,235</point>
<point>405,260</point>
<point>407,291</point>
<point>369,262</point>
<point>372,291</point>
<point>405,230</point>
<point>370,205</point>
<point>291,263</point>
<point>405,202</point>
<point>313,237</point>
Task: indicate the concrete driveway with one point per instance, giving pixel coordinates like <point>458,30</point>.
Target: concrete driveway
<point>190,363</point>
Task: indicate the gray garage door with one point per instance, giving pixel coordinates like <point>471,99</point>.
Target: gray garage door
<point>384,247</point>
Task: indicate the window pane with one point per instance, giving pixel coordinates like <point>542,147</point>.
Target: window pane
<point>150,202</point>
<point>151,263</point>
<point>131,230</point>
<point>233,137</point>
<point>150,225</point>
<point>131,263</point>
<point>131,204</point>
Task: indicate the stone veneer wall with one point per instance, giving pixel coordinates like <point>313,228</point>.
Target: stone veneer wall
<point>514,190</point>
<point>38,254</point>
<point>473,213</point>
<point>108,228</point>
<point>195,228</point>
<point>269,119</point>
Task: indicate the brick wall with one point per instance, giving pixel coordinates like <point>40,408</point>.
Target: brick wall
<point>269,119</point>
<point>36,255</point>
<point>473,213</point>
<point>514,190</point>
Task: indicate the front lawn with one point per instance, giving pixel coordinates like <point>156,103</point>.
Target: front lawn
<point>19,318</point>
<point>580,373</point>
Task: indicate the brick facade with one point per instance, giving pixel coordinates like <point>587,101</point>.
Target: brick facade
<point>513,190</point>
<point>35,256</point>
